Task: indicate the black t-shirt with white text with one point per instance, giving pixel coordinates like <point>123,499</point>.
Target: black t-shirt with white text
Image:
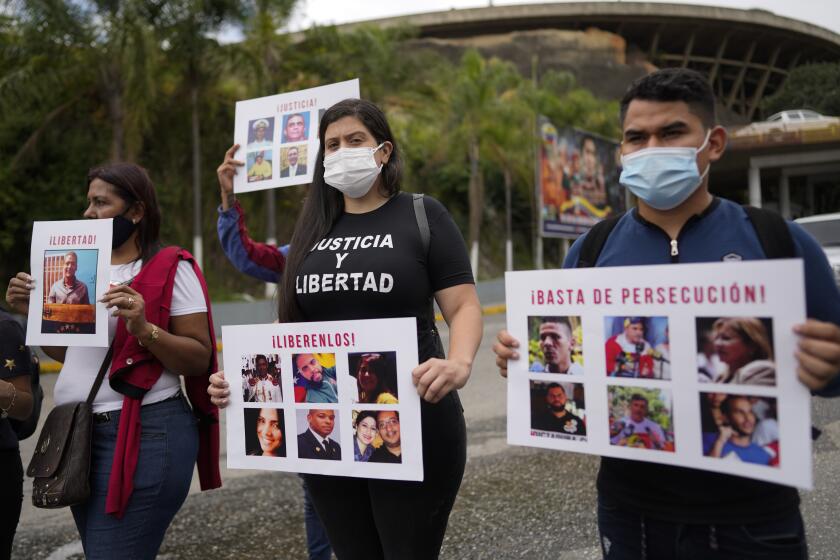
<point>373,266</point>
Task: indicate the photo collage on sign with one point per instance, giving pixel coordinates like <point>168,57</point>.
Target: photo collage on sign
<point>738,401</point>
<point>641,412</point>
<point>556,368</point>
<point>259,155</point>
<point>311,396</point>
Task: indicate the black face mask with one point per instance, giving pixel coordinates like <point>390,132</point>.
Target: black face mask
<point>123,228</point>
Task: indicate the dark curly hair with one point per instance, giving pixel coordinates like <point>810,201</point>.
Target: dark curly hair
<point>674,84</point>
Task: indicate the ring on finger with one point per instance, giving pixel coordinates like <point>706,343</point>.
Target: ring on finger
<point>130,301</point>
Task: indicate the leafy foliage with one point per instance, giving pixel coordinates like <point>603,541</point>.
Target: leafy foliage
<point>814,86</point>
<point>86,82</point>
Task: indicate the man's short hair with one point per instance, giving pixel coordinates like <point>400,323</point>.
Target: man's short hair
<point>674,84</point>
<point>68,253</point>
<point>559,320</point>
<point>259,357</point>
<point>726,405</point>
<point>638,397</point>
<point>552,385</point>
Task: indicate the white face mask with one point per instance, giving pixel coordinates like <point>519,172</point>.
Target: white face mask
<point>352,170</point>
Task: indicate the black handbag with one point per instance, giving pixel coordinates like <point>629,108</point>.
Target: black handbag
<point>60,465</point>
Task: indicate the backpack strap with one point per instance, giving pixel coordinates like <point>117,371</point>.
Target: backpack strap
<point>594,241</point>
<point>773,233</point>
<point>422,221</point>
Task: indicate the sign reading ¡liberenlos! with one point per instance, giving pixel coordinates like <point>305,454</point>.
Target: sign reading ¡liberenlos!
<point>327,398</point>
<point>689,365</point>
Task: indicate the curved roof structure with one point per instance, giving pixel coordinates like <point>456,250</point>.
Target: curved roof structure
<point>747,54</point>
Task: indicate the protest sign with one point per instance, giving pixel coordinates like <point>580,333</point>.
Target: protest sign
<point>69,263</point>
<point>278,135</point>
<point>326,398</point>
<point>690,365</point>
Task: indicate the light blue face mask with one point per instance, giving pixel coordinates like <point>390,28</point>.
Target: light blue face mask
<point>663,177</point>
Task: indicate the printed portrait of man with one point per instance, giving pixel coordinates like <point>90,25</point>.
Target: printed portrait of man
<point>294,128</point>
<point>315,441</point>
<point>554,416</point>
<point>388,423</point>
<point>294,168</point>
<point>69,289</point>
<point>314,382</point>
<point>259,137</point>
<point>556,342</point>
<point>636,423</point>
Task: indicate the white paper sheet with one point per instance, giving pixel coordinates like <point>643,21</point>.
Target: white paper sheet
<point>289,123</point>
<point>695,308</point>
<point>337,350</point>
<point>63,308</point>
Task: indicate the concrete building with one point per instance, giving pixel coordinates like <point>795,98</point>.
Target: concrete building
<point>747,54</point>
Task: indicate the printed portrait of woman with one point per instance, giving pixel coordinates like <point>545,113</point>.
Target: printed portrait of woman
<point>264,432</point>
<point>365,431</point>
<point>745,349</point>
<point>376,377</point>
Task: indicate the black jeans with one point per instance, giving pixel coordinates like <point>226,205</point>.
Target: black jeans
<point>11,498</point>
<point>626,535</point>
<point>398,520</point>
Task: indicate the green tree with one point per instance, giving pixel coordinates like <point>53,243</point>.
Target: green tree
<point>64,52</point>
<point>814,86</point>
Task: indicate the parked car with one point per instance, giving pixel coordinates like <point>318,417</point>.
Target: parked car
<point>788,121</point>
<point>826,230</point>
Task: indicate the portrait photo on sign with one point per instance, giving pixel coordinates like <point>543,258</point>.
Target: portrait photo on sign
<point>260,134</point>
<point>641,417</point>
<point>293,161</point>
<point>555,345</point>
<point>740,428</point>
<point>376,376</point>
<point>366,439</point>
<point>314,378</point>
<point>318,434</point>
<point>637,347</point>
<point>388,425</point>
<point>296,127</point>
<point>69,291</point>
<point>261,378</point>
<point>265,432</point>
<point>735,350</point>
<point>558,410</point>
<point>258,165</point>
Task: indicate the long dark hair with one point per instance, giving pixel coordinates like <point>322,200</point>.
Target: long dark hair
<point>132,184</point>
<point>324,204</point>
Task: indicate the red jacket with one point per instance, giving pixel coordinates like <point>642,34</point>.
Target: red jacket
<point>134,370</point>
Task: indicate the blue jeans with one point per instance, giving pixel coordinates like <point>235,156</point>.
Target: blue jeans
<point>626,535</point>
<point>168,449</point>
<point>317,542</point>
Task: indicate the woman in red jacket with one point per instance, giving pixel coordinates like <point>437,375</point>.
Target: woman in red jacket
<point>161,329</point>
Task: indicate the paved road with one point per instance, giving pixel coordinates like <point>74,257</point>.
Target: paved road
<point>514,503</point>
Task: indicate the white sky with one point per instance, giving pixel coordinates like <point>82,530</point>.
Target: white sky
<point>825,13</point>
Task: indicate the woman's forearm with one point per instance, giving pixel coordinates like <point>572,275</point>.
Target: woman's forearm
<point>180,354</point>
<point>16,397</point>
<point>465,331</point>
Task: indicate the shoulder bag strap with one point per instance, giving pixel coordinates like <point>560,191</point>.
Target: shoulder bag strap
<point>101,375</point>
<point>773,233</point>
<point>595,240</point>
<point>422,221</point>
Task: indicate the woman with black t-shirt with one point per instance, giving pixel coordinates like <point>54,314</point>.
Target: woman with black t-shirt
<point>359,235</point>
